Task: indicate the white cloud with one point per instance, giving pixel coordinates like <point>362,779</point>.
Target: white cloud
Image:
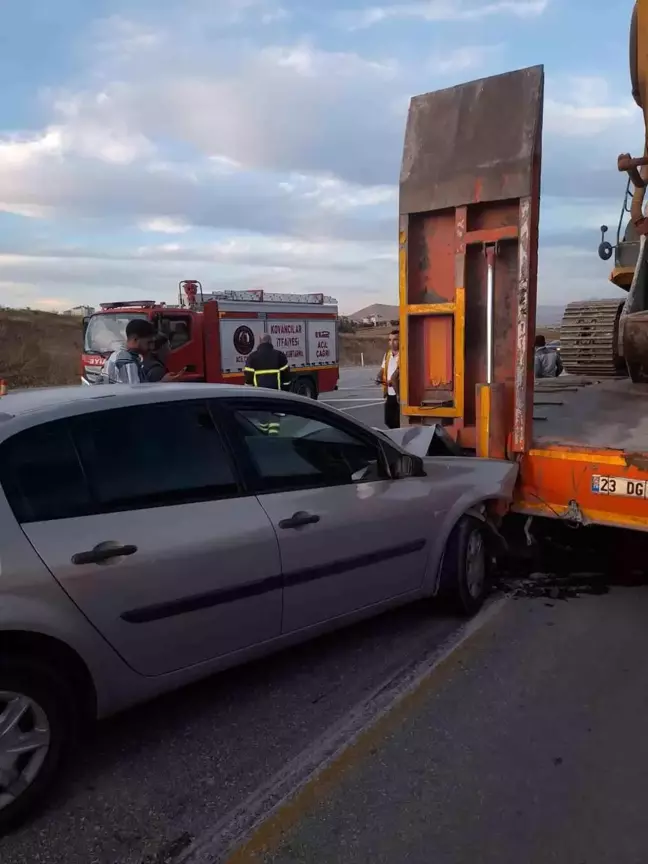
<point>92,125</point>
<point>278,107</point>
<point>120,38</point>
<point>87,126</point>
<point>447,10</point>
<point>18,152</point>
<point>462,59</point>
<point>164,225</point>
<point>278,13</point>
<point>282,156</point>
<point>354,273</point>
<point>587,107</point>
<point>171,196</point>
<point>29,211</point>
<point>333,194</point>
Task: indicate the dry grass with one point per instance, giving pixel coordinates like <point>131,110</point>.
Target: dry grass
<point>353,346</point>
<point>39,349</point>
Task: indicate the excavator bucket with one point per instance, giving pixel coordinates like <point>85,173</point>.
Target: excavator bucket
<point>469,203</point>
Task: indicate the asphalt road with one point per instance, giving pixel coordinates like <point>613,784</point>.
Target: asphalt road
<point>154,778</point>
<point>528,746</point>
<point>358,395</point>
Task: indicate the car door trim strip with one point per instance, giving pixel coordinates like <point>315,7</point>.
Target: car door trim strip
<point>195,602</point>
<point>335,568</point>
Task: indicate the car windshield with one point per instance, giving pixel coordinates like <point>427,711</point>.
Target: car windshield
<point>106,333</point>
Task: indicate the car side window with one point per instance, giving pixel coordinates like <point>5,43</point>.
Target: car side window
<point>293,450</point>
<point>153,455</point>
<point>42,476</point>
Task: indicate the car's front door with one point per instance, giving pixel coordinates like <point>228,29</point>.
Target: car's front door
<point>349,536</point>
<point>199,573</point>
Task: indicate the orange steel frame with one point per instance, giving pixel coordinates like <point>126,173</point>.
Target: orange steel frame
<point>556,481</point>
<point>441,257</point>
<point>442,293</point>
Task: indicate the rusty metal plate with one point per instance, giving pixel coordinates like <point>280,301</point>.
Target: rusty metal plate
<point>474,142</point>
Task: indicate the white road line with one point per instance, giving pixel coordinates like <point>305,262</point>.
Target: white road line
<point>350,399</point>
<point>360,407</point>
<point>228,832</point>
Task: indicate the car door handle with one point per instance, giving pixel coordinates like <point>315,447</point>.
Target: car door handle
<point>103,552</point>
<point>298,519</point>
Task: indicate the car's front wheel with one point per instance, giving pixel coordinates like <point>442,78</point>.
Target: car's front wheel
<point>37,724</point>
<point>464,569</point>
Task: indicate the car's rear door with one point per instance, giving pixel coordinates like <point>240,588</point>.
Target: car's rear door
<point>349,536</point>
<point>198,574</point>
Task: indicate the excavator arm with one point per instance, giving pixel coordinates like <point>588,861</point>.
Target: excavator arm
<point>608,338</point>
<point>637,168</point>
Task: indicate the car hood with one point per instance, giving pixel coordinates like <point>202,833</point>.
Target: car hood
<point>415,439</point>
<point>492,477</point>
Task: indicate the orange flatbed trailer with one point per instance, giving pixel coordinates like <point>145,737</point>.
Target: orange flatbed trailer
<point>468,239</point>
<point>588,459</point>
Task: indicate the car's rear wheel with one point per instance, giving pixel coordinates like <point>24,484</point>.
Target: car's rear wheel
<point>37,725</point>
<point>464,569</point>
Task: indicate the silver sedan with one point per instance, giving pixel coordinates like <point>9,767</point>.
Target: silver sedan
<point>153,535</point>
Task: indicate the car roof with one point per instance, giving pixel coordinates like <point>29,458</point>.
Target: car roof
<point>55,400</point>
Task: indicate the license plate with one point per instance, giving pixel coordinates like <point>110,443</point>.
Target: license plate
<point>602,485</point>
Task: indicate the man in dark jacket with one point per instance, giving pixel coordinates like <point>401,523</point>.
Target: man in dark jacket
<point>154,364</point>
<point>267,367</point>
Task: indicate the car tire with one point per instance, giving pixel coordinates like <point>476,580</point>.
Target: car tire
<point>305,387</point>
<point>48,713</point>
<point>464,568</point>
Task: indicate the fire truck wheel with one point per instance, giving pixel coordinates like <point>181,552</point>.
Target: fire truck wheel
<point>305,387</point>
<point>464,568</point>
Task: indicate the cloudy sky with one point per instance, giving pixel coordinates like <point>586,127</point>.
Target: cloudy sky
<point>257,143</point>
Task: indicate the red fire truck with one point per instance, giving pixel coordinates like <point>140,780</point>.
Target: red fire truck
<point>212,335</point>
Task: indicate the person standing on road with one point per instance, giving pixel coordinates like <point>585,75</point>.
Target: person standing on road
<point>389,378</point>
<point>124,366</point>
<point>267,367</point>
<point>548,363</point>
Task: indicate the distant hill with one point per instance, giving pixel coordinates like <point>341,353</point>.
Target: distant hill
<point>380,310</point>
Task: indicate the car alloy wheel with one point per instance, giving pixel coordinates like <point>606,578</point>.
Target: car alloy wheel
<point>24,744</point>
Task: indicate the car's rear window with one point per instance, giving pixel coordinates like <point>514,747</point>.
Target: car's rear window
<point>120,459</point>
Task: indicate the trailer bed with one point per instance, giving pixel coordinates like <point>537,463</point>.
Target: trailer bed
<point>588,461</point>
<point>591,413</point>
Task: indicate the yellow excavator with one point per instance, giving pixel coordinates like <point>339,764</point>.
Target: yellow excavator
<point>609,338</point>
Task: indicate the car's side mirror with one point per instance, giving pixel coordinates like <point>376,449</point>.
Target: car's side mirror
<point>407,465</point>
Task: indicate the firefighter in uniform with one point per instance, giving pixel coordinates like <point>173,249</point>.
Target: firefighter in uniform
<point>268,367</point>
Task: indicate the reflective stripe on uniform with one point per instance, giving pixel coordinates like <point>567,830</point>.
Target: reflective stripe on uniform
<point>257,372</point>
<point>271,428</point>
